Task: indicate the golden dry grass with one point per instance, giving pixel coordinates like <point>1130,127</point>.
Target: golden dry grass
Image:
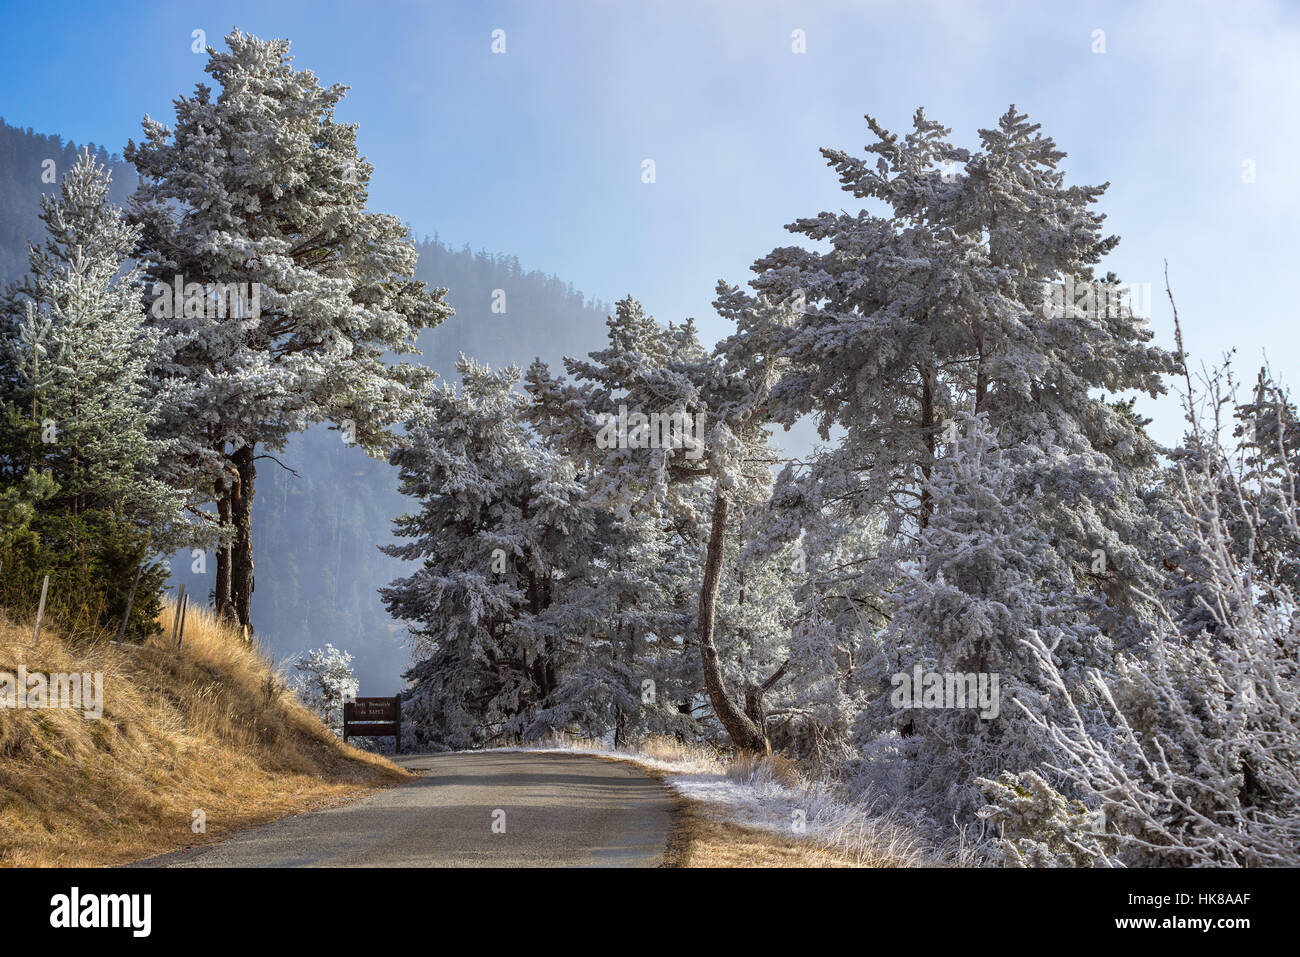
<point>206,727</point>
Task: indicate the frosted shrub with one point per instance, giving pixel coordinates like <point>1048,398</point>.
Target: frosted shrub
<point>1038,827</point>
<point>1197,762</point>
<point>324,681</point>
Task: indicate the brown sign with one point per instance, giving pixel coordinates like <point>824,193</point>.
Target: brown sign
<point>374,717</point>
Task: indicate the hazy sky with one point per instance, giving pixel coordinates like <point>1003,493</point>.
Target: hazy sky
<point>538,152</point>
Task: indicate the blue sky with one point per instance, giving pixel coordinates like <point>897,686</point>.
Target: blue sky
<point>538,152</point>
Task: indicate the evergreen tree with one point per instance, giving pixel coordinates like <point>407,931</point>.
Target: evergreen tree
<point>325,681</point>
<point>719,457</point>
<point>951,301</point>
<point>631,673</point>
<point>76,382</point>
<point>985,581</point>
<point>939,306</point>
<point>259,188</point>
<point>500,529</point>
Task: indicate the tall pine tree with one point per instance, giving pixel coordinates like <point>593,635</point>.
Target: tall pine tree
<point>260,187</point>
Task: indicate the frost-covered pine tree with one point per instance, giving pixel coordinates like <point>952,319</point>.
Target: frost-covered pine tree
<point>261,189</point>
<point>627,614</point>
<point>944,302</point>
<point>718,459</point>
<point>632,674</point>
<point>628,606</point>
<point>938,306</point>
<point>501,527</point>
<point>75,373</point>
<point>985,580</point>
<point>80,352</point>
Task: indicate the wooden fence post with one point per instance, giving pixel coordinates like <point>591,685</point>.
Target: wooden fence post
<point>397,710</point>
<point>176,619</point>
<point>185,607</point>
<point>40,609</point>
<point>130,600</point>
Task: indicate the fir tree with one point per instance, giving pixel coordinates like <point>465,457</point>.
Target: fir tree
<point>499,530</point>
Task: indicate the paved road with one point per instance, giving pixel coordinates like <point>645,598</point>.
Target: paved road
<point>559,810</point>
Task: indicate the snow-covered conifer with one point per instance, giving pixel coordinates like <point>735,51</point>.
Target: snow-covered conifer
<point>325,680</point>
<point>277,295</point>
<point>500,529</point>
<point>74,373</point>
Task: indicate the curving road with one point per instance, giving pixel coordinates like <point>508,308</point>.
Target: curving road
<point>489,809</point>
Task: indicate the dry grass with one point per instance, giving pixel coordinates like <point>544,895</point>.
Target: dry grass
<point>207,727</point>
<point>775,767</point>
<point>840,834</point>
<point>702,838</point>
<point>670,751</point>
<point>708,841</point>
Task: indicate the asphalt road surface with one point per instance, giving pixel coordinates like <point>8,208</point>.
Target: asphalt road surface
<point>490,809</point>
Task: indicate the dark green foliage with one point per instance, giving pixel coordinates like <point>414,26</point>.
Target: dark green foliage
<point>90,556</point>
<point>91,560</point>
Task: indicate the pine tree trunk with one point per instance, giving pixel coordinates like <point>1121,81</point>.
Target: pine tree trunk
<point>221,599</point>
<point>928,426</point>
<point>241,508</point>
<point>745,734</point>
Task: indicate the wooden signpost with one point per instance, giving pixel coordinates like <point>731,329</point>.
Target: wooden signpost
<point>185,608</point>
<point>374,717</point>
<point>178,618</point>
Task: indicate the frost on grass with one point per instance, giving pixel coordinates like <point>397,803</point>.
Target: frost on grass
<point>771,795</point>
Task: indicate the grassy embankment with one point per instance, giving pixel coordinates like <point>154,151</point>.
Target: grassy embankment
<point>207,727</point>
